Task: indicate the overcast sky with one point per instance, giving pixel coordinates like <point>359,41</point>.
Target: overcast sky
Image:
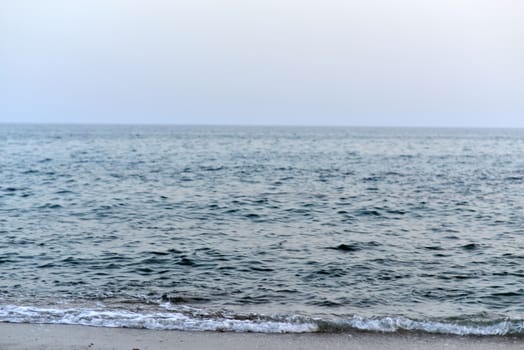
<point>323,62</point>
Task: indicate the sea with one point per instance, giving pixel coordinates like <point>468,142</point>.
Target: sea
<point>263,229</point>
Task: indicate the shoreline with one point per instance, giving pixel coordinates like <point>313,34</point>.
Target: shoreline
<point>23,336</point>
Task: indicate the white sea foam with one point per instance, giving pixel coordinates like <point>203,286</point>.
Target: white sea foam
<point>202,321</point>
<point>393,324</point>
<point>154,320</point>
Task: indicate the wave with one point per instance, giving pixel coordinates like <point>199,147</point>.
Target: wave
<point>188,321</point>
<point>199,320</point>
<point>395,324</point>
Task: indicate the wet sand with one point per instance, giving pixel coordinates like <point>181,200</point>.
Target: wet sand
<point>58,337</point>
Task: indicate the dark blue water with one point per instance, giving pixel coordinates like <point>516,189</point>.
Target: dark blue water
<point>263,229</point>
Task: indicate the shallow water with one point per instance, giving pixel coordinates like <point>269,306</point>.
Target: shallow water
<point>263,229</point>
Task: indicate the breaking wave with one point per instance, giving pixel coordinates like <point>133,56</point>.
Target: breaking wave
<point>198,320</point>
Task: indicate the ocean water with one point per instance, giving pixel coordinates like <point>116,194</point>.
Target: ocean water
<point>263,229</point>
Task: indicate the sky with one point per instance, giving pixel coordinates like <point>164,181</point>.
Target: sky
<point>454,63</point>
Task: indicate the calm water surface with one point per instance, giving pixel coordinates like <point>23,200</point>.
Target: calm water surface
<point>263,229</point>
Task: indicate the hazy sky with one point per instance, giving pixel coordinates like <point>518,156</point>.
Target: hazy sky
<point>333,62</point>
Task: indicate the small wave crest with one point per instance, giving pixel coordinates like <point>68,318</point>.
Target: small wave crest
<point>152,320</point>
<point>198,320</point>
<point>395,324</point>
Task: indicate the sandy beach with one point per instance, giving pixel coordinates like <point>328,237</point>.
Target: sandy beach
<point>57,337</point>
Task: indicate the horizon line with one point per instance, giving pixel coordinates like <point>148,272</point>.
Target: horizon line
<point>258,125</point>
